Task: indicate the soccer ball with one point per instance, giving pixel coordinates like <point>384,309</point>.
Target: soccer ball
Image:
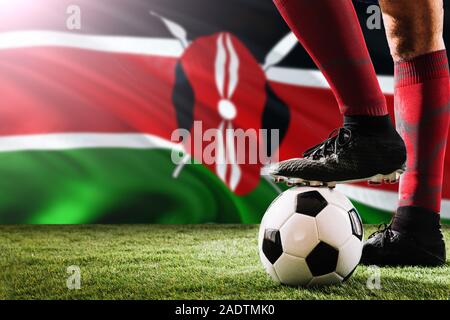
<point>310,237</point>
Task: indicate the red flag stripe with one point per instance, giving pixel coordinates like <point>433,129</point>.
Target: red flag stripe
<point>48,90</point>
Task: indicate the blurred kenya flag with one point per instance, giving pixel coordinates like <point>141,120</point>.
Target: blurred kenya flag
<point>91,94</point>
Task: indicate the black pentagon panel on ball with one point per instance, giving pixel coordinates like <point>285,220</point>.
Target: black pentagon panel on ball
<point>271,245</point>
<point>357,227</point>
<point>310,203</point>
<point>322,260</point>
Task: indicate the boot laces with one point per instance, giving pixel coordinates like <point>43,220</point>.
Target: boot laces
<point>386,233</point>
<point>336,140</point>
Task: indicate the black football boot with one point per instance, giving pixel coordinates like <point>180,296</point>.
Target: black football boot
<point>373,153</point>
<point>419,243</point>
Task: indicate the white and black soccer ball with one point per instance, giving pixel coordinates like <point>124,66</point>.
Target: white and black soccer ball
<point>310,236</point>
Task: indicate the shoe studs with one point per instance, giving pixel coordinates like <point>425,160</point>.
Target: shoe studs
<point>376,180</point>
<point>391,178</point>
<point>291,182</point>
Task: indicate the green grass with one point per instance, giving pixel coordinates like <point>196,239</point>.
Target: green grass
<point>174,262</point>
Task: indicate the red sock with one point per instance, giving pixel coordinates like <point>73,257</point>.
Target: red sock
<point>329,30</point>
<point>422,102</point>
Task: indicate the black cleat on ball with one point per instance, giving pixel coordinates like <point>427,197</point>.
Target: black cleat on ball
<point>387,247</point>
<point>348,155</point>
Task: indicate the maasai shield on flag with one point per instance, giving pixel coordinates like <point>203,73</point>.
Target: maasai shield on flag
<point>92,91</point>
<point>221,86</point>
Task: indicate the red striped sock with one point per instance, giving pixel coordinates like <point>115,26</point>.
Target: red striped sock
<point>329,30</point>
<point>422,102</point>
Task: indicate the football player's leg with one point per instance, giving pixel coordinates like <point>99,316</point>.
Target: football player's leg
<point>422,101</point>
<point>329,30</point>
<point>368,145</point>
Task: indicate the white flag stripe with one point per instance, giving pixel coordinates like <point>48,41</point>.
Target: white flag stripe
<point>381,199</point>
<point>221,161</point>
<point>115,44</point>
<point>64,141</point>
<point>219,66</point>
<point>233,68</point>
<point>235,169</point>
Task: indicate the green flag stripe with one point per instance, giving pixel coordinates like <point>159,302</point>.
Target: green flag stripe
<point>125,186</point>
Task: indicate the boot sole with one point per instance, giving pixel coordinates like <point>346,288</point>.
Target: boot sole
<point>427,259</point>
<point>378,179</point>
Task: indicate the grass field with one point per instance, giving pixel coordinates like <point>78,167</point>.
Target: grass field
<point>174,262</point>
